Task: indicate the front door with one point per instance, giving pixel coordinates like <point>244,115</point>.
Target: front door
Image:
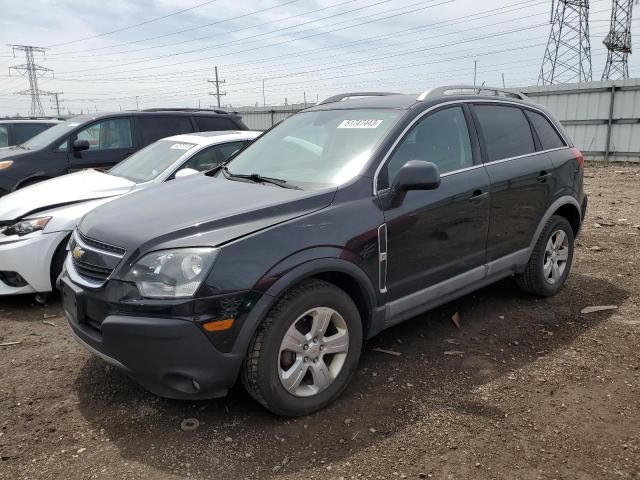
<point>110,141</point>
<point>437,234</point>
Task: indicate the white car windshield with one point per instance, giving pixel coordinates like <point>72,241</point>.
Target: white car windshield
<point>316,149</point>
<point>147,164</point>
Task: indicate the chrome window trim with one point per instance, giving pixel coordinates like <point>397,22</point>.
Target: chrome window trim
<point>459,102</point>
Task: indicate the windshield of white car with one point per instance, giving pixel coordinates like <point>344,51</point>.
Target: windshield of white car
<point>54,133</point>
<point>147,164</point>
<point>316,149</point>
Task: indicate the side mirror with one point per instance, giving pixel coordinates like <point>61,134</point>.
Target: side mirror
<point>80,145</point>
<point>185,172</point>
<point>416,175</point>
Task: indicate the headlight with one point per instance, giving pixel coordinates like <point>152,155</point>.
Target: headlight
<point>6,164</point>
<point>172,273</point>
<point>25,227</point>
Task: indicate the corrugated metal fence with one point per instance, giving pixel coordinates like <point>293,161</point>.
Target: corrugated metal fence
<point>603,118</point>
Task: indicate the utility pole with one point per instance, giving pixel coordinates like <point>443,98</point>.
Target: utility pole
<point>618,41</point>
<point>264,101</point>
<point>217,82</point>
<point>57,100</point>
<point>503,85</point>
<point>475,71</point>
<point>567,57</point>
<point>137,105</point>
<point>32,71</point>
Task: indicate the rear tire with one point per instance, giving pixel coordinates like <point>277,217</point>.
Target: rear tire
<point>294,372</point>
<point>550,262</point>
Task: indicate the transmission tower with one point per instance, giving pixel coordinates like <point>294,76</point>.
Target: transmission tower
<point>33,71</point>
<point>568,54</point>
<point>618,41</point>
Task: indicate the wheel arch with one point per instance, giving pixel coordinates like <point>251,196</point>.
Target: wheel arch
<point>341,273</point>
<point>566,206</point>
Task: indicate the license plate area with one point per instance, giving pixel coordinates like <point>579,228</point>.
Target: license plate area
<point>72,302</point>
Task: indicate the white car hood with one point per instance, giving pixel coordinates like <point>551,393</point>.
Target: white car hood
<point>64,190</point>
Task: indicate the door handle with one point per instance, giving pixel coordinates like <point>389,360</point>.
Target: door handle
<point>477,196</point>
<point>542,178</point>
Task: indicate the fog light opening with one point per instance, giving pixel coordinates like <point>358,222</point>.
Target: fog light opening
<point>13,279</point>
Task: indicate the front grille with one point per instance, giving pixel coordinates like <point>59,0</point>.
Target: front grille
<point>92,261</point>
<point>92,272</point>
<point>101,245</point>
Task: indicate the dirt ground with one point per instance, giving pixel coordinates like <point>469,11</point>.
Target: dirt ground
<point>537,390</point>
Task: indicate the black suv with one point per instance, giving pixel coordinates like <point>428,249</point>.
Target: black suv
<point>100,141</point>
<point>343,220</point>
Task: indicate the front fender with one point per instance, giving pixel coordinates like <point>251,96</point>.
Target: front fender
<point>304,268</point>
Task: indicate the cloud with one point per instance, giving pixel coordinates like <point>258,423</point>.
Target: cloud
<point>312,47</point>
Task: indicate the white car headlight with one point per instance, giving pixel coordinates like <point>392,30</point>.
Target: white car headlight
<point>25,227</point>
<point>172,273</point>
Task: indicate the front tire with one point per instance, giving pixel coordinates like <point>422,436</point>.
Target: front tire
<point>305,351</point>
<point>550,262</point>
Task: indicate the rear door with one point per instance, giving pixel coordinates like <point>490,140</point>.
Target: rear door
<point>520,174</point>
<point>111,140</point>
<point>155,127</point>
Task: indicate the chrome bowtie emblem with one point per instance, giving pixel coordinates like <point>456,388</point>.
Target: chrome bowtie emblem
<point>77,253</point>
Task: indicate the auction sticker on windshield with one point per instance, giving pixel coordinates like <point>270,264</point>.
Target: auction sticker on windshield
<point>360,124</point>
<point>181,146</point>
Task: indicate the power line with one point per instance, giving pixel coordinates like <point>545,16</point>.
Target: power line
<point>146,22</point>
<point>258,35</point>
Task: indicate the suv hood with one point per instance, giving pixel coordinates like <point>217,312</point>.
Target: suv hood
<point>65,190</point>
<point>196,211</point>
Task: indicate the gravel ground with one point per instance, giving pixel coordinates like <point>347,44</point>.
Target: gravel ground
<point>526,388</point>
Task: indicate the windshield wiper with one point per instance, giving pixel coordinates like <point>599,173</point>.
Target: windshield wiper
<point>257,178</point>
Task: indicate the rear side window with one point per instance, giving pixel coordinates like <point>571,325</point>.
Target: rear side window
<point>155,128</point>
<point>212,124</point>
<point>24,131</point>
<point>213,156</point>
<point>549,137</point>
<point>505,130</point>
<point>4,136</point>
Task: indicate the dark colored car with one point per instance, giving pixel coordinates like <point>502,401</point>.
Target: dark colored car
<point>19,130</point>
<point>343,220</point>
<point>100,141</point>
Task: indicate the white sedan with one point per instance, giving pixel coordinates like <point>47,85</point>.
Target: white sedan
<point>36,221</point>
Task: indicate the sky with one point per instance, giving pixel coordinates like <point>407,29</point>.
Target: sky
<point>128,54</point>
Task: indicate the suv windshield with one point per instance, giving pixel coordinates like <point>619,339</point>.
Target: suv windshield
<point>317,149</point>
<point>54,133</point>
<point>146,164</point>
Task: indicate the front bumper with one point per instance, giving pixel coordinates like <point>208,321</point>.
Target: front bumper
<point>31,257</point>
<point>170,357</point>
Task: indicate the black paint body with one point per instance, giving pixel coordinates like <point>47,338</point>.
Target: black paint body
<point>440,244</point>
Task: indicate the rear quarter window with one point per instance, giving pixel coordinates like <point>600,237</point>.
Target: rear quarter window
<point>548,135</point>
<point>505,131</point>
<point>212,124</point>
<point>154,128</point>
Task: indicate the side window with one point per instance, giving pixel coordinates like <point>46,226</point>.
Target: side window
<point>4,136</point>
<point>213,156</point>
<point>155,128</point>
<point>548,135</point>
<point>107,135</point>
<point>505,130</point>
<point>24,131</point>
<point>212,124</point>
<point>441,138</point>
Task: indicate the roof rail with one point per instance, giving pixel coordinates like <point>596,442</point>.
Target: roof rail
<point>471,90</point>
<point>213,110</point>
<point>342,96</point>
